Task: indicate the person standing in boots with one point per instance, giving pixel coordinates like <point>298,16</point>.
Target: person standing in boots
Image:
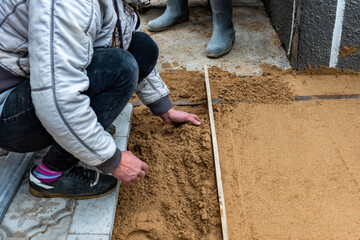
<point>223,35</point>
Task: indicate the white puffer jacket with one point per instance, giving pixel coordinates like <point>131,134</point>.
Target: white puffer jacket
<point>56,38</point>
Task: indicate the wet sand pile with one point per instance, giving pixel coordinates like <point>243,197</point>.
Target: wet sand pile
<point>269,88</point>
<point>185,84</point>
<point>290,169</point>
<point>178,197</point>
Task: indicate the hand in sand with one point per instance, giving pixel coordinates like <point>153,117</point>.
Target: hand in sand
<point>174,116</point>
<point>131,169</point>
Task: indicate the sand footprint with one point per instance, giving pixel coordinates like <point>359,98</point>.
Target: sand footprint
<point>142,235</point>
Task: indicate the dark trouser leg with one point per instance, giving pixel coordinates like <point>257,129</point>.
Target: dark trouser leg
<point>20,129</point>
<point>112,82</point>
<point>145,51</point>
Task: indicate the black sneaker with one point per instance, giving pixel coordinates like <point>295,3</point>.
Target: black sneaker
<point>77,182</point>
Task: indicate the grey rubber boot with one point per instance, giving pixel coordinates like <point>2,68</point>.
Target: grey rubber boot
<point>177,11</point>
<point>223,29</point>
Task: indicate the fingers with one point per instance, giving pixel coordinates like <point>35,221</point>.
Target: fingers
<point>131,169</point>
<point>176,117</point>
<point>144,166</point>
<point>197,118</point>
<point>135,180</point>
<point>141,174</point>
<point>194,119</point>
<point>128,183</point>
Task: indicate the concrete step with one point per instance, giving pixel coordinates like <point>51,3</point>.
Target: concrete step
<point>34,218</point>
<point>13,167</point>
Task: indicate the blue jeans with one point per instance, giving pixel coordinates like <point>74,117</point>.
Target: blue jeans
<point>111,87</point>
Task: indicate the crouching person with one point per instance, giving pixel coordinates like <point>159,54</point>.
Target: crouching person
<point>67,70</point>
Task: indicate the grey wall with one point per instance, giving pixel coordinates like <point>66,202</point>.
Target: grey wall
<point>351,36</point>
<point>281,17</point>
<point>313,28</point>
<point>315,32</point>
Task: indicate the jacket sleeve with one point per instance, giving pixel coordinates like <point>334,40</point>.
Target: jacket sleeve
<point>152,90</point>
<point>61,34</point>
<point>153,93</point>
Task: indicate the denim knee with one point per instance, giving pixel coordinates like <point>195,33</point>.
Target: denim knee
<point>146,52</point>
<point>153,51</point>
<point>128,69</point>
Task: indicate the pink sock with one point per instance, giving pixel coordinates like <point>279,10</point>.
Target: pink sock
<point>45,174</point>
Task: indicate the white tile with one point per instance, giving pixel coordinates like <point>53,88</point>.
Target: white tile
<point>95,216</point>
<point>55,232</point>
<point>123,122</point>
<point>121,143</point>
<point>88,237</point>
<point>12,172</point>
<point>29,215</point>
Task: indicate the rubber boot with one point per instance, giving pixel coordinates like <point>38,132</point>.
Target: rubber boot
<point>177,11</point>
<point>223,29</point>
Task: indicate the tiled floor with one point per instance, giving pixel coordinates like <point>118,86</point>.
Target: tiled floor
<point>65,219</point>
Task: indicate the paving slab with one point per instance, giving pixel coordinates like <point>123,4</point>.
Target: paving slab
<point>183,45</point>
<point>29,217</point>
<point>88,237</point>
<point>13,167</point>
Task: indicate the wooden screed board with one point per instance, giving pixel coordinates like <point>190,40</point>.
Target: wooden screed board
<point>216,158</point>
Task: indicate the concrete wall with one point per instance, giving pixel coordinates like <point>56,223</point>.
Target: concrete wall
<point>318,32</point>
<point>281,13</point>
<point>350,40</point>
<point>315,32</point>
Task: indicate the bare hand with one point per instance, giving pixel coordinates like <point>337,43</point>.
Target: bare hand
<point>174,116</point>
<point>131,169</point>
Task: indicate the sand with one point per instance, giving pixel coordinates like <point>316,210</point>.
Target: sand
<point>178,198</point>
<point>290,169</point>
<point>189,85</point>
<point>346,51</point>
